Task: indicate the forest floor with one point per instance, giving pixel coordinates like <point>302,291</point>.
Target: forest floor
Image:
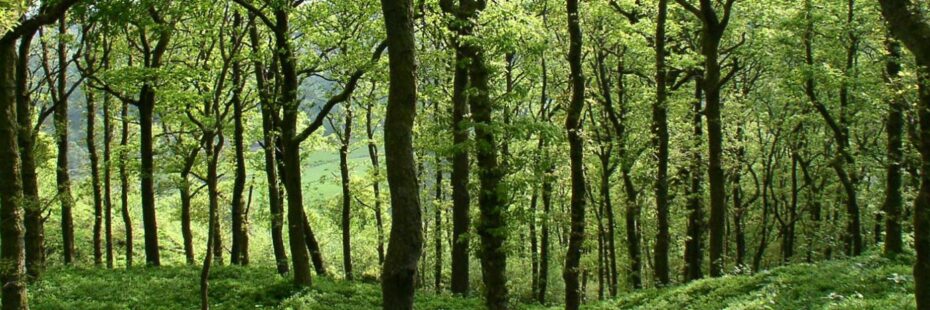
<point>868,282</point>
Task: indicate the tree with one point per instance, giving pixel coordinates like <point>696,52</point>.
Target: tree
<point>12,251</point>
<point>406,238</point>
<point>909,26</point>
<point>573,128</point>
<point>660,142</point>
<point>713,28</point>
<point>894,129</point>
<point>63,177</point>
<point>461,200</point>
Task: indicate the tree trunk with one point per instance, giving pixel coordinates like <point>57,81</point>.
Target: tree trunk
<point>12,247</point>
<point>186,234</point>
<point>437,227</point>
<point>124,183</point>
<point>694,244</point>
<point>376,182</point>
<point>146,154</point>
<point>213,223</point>
<point>186,196</point>
<point>269,140</point>
<point>576,155</point>
<point>914,32</point>
<point>894,126</point>
<point>660,142</point>
<point>296,221</point>
<point>34,221</point>
<point>95,177</point>
<point>239,253</point>
<point>107,189</point>
<point>346,194</point>
<point>491,194</point>
<point>461,200</point>
<point>62,176</point>
<point>406,241</point>
<point>546,196</point>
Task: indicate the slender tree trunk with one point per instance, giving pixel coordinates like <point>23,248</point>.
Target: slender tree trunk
<point>534,241</point>
<point>186,196</point>
<point>894,126</point>
<point>738,204</point>
<point>406,243</point>
<point>269,140</point>
<point>491,200</point>
<point>12,247</point>
<point>461,200</point>
<point>694,244</point>
<point>95,177</point>
<point>376,182</point>
<point>573,127</point>
<point>146,154</point>
<point>107,178</point>
<point>296,220</point>
<point>239,253</point>
<point>186,233</point>
<point>544,236</point>
<point>546,196</point>
<point>34,221</point>
<point>437,227</point>
<point>660,142</point>
<point>712,85</point>
<point>346,194</point>
<point>62,176</point>
<point>213,223</point>
<point>124,182</point>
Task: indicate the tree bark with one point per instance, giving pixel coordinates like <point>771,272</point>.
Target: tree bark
<point>546,198</point>
<point>186,196</point>
<point>12,246</point>
<point>269,141</point>
<point>694,244</point>
<point>62,176</point>
<point>894,126</point>
<point>95,177</point>
<point>124,183</point>
<point>239,253</point>
<point>376,182</point>
<point>910,27</point>
<point>660,142</point>
<point>573,128</point>
<point>346,138</point>
<point>107,177</point>
<point>437,227</point>
<point>461,200</point>
<point>34,221</point>
<point>406,240</point>
<point>491,198</point>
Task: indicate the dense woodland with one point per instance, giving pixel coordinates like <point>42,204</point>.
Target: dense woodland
<point>521,152</point>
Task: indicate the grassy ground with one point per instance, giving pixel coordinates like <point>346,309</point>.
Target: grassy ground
<point>868,282</point>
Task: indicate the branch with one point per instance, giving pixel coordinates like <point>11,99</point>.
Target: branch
<point>341,97</point>
<point>257,12</point>
<point>690,7</point>
<point>47,16</point>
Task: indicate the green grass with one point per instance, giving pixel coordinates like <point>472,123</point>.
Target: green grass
<point>157,288</point>
<point>868,282</point>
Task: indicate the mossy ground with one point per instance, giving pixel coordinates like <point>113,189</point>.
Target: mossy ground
<point>868,282</point>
